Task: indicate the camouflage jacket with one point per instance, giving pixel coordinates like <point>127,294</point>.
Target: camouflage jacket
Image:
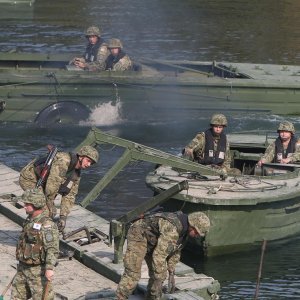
<point>168,237</point>
<point>120,63</point>
<point>38,242</point>
<point>198,147</point>
<point>60,174</point>
<point>270,154</point>
<point>97,63</point>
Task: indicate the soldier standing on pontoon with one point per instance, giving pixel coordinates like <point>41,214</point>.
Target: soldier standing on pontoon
<point>37,251</point>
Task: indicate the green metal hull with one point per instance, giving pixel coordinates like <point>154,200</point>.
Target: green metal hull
<point>238,228</point>
<point>31,83</point>
<point>244,210</point>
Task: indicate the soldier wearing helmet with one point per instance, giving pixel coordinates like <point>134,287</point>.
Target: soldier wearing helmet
<point>95,54</point>
<point>37,250</point>
<point>285,149</point>
<point>118,60</point>
<point>211,147</point>
<point>64,178</point>
<point>158,238</point>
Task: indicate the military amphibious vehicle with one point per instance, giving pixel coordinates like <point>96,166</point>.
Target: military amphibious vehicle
<point>43,88</point>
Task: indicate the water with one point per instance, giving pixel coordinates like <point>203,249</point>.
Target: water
<point>238,30</point>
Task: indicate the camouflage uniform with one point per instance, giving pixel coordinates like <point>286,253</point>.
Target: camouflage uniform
<point>214,151</point>
<point>60,173</point>
<point>275,152</point>
<point>198,147</point>
<point>158,239</point>
<point>95,55</point>
<point>37,251</point>
<point>99,63</point>
<point>122,62</point>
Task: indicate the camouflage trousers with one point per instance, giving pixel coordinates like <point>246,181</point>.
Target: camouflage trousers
<point>137,251</point>
<point>30,282</point>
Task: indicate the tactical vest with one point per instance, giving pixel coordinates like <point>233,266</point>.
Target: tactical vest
<point>280,153</point>
<point>112,60</point>
<point>178,219</point>
<point>91,51</point>
<point>212,157</point>
<point>72,173</point>
<point>30,249</point>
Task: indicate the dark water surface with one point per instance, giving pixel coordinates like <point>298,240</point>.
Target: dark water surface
<point>264,31</point>
<point>259,31</point>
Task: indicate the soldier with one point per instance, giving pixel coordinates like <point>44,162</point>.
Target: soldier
<point>285,149</point>
<point>211,147</point>
<point>118,60</point>
<point>37,251</point>
<point>158,238</point>
<point>95,54</point>
<point>63,179</point>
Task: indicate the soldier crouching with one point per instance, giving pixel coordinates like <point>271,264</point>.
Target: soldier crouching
<point>158,238</point>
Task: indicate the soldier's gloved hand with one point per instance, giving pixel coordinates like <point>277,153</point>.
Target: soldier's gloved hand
<point>61,224</point>
<point>171,282</point>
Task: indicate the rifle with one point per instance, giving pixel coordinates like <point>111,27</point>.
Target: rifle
<point>47,166</point>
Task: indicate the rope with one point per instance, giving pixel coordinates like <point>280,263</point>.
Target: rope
<point>229,187</point>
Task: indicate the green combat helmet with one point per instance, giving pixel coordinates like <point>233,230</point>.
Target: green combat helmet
<point>34,196</point>
<point>286,126</point>
<point>115,43</point>
<point>89,152</point>
<point>199,221</point>
<point>93,30</point>
<point>218,119</point>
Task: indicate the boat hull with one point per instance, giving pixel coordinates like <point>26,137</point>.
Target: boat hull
<point>236,229</point>
<point>32,83</point>
<point>240,220</point>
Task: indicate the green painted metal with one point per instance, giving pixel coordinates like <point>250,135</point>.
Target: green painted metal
<point>31,82</point>
<point>133,152</point>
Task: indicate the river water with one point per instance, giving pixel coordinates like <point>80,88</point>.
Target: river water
<point>262,31</point>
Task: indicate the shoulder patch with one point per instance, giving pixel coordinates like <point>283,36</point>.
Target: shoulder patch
<point>49,236</point>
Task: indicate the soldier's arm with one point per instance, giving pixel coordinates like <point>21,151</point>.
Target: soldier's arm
<point>196,146</point>
<point>166,245</point>
<point>50,243</point>
<point>123,64</point>
<point>295,157</point>
<point>68,200</point>
<point>269,154</point>
<point>173,260</point>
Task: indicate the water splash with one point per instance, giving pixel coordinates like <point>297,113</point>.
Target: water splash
<point>105,114</point>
